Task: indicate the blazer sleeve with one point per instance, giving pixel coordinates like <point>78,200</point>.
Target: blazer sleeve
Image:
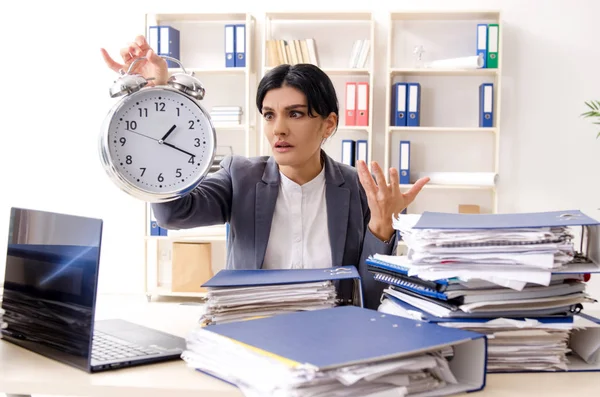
<point>208,204</point>
<point>372,289</point>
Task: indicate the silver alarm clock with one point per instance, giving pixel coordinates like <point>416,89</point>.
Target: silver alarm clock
<point>157,143</point>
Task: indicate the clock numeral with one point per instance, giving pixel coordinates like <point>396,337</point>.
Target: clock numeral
<point>143,112</point>
<point>143,170</point>
<point>130,125</point>
<point>128,159</point>
<point>160,177</point>
<point>191,124</point>
<point>178,173</point>
<point>160,106</point>
<point>122,140</point>
<point>177,112</point>
<point>191,160</point>
<point>197,144</point>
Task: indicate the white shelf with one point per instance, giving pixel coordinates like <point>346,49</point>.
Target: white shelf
<point>199,17</point>
<point>354,127</point>
<point>337,71</point>
<point>329,17</point>
<point>444,15</point>
<point>431,29</point>
<point>225,126</point>
<point>205,71</point>
<point>443,72</point>
<point>442,129</point>
<point>450,187</point>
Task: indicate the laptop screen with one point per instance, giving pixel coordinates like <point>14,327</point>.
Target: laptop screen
<point>50,283</point>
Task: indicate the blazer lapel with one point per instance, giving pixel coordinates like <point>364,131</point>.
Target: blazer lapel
<point>266,197</point>
<point>338,208</point>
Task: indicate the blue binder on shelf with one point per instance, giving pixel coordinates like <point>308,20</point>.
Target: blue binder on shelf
<point>240,46</point>
<point>228,278</point>
<point>230,46</point>
<point>399,103</point>
<point>349,152</point>
<point>486,105</point>
<point>414,105</point>
<point>155,229</point>
<point>362,150</point>
<point>404,168</point>
<point>169,44</point>
<point>482,33</point>
<point>327,340</point>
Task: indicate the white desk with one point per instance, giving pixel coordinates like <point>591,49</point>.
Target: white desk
<point>24,372</point>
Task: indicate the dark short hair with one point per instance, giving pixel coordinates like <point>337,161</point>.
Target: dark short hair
<point>316,85</point>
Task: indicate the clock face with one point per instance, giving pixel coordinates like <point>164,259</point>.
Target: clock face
<point>160,141</point>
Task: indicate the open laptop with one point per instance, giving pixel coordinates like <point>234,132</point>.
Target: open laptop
<point>49,297</point>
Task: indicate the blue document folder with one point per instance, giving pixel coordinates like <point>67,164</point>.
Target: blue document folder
<point>444,220</point>
<point>583,341</point>
<point>258,277</point>
<point>344,336</point>
<point>570,218</point>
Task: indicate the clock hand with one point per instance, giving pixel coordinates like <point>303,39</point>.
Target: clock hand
<point>164,138</point>
<point>176,148</point>
<point>145,136</point>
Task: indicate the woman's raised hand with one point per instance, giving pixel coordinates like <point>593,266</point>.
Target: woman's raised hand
<point>152,67</point>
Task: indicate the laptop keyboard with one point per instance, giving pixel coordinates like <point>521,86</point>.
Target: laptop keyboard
<point>108,348</point>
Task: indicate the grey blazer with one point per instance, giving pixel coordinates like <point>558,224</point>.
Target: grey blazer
<point>244,191</point>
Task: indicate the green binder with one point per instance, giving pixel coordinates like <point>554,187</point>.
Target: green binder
<point>492,45</point>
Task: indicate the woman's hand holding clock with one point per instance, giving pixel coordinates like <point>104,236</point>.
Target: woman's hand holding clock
<point>157,142</point>
<point>153,67</point>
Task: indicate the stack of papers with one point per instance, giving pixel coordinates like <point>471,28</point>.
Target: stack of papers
<point>468,271</point>
<point>226,304</point>
<point>236,295</point>
<point>342,351</point>
<point>515,345</point>
<point>257,373</point>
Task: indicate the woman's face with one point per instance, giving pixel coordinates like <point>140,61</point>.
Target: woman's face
<point>295,137</point>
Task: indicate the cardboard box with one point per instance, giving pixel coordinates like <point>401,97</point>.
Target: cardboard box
<point>191,266</point>
<point>468,209</point>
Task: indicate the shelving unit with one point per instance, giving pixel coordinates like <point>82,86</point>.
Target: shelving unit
<point>449,137</point>
<point>202,51</point>
<point>334,35</point>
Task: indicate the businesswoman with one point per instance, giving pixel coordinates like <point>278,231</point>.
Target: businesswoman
<point>297,208</point>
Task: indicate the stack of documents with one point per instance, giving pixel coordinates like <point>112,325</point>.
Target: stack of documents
<point>525,344</point>
<point>235,295</point>
<point>341,351</point>
<point>471,269</point>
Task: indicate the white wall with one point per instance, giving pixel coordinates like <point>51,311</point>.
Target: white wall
<point>55,96</point>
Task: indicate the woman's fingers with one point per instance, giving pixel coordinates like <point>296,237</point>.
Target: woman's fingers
<point>111,63</point>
